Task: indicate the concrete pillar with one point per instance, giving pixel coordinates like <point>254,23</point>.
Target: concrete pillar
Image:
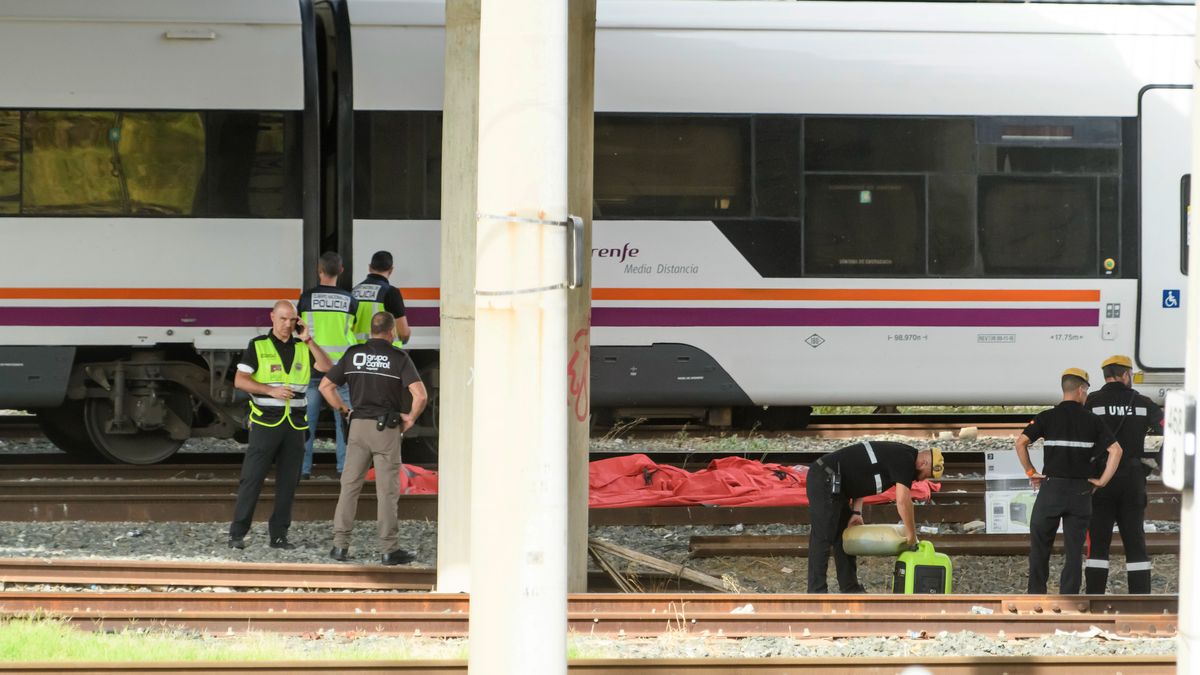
<point>581,49</point>
<point>1188,655</point>
<point>519,486</point>
<point>460,163</point>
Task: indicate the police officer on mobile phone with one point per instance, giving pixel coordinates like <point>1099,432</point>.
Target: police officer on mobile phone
<point>836,486</point>
<point>386,398</point>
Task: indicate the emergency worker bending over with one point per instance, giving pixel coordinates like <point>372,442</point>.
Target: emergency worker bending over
<point>383,385</point>
<point>1129,416</point>
<point>836,486</point>
<point>1074,437</point>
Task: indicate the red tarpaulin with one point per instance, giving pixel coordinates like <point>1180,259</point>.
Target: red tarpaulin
<point>636,480</point>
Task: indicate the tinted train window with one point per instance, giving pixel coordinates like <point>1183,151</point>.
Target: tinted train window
<point>1185,221</point>
<point>777,167</point>
<point>1038,225</point>
<point>888,144</point>
<point>10,162</point>
<point>671,167</point>
<point>178,163</point>
<point>397,165</point>
<point>254,165</point>
<point>864,225</point>
<point>952,250</point>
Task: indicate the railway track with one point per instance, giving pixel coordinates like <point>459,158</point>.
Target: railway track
<point>943,665</point>
<point>628,615</point>
<point>197,499</point>
<point>180,575</point>
<point>1157,543</point>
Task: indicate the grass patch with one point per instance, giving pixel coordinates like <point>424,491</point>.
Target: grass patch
<point>53,639</point>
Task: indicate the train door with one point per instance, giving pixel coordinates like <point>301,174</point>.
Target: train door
<point>1165,130</point>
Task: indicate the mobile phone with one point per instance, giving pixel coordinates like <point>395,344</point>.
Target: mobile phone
<point>299,328</point>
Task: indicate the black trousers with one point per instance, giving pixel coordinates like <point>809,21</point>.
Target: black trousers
<point>829,516</point>
<point>1122,501</point>
<point>282,446</point>
<point>1068,500</point>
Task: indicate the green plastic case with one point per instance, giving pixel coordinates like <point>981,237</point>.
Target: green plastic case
<point>922,571</point>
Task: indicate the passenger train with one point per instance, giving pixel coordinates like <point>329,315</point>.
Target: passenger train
<point>796,203</point>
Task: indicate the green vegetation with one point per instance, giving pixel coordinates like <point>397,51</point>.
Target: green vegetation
<point>51,639</point>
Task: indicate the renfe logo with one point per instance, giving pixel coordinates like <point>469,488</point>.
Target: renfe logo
<point>620,253</point>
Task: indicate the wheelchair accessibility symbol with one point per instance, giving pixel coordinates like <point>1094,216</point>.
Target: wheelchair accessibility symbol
<point>1170,298</point>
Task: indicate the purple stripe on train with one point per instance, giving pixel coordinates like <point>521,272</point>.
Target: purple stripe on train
<point>839,316</point>
<point>165,317</point>
<point>233,317</point>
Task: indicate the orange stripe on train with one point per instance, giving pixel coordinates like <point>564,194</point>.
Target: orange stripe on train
<point>850,294</point>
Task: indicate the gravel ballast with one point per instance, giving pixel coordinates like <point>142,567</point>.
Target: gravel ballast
<point>972,574</point>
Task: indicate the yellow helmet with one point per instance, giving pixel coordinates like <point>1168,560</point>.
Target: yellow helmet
<point>1118,360</point>
<point>936,465</point>
<point>1077,372</point>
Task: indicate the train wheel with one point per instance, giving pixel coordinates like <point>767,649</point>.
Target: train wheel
<point>149,442</point>
<point>65,429</point>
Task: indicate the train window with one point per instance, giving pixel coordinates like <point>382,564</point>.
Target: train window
<point>1185,221</point>
<point>254,164</point>
<point>397,165</point>
<point>952,250</point>
<point>71,164</point>
<point>671,167</point>
<point>888,144</point>
<point>1038,225</point>
<point>777,167</point>
<point>10,162</point>
<point>147,163</point>
<point>1049,160</point>
<point>864,225</point>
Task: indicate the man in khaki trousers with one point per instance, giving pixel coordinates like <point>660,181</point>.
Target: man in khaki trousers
<point>383,384</point>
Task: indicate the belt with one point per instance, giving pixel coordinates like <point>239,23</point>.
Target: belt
<point>1083,480</point>
<point>820,464</point>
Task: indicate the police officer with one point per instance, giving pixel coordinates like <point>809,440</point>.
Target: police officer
<point>1129,416</point>
<point>330,313</point>
<point>275,370</point>
<point>836,486</point>
<point>376,294</point>
<point>383,385</point>
<point>1074,439</point>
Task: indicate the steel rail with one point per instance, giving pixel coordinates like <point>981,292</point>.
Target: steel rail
<point>727,615</point>
<point>943,665</point>
<point>178,574</point>
<point>1157,543</point>
<point>180,502</point>
<point>61,571</point>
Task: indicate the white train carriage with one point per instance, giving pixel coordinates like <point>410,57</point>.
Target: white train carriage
<point>155,193</point>
<point>795,203</point>
<point>837,203</point>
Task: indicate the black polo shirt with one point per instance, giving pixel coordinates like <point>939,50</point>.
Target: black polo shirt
<point>894,463</point>
<point>1074,437</point>
<point>287,353</point>
<point>379,375</point>
<point>1128,415</point>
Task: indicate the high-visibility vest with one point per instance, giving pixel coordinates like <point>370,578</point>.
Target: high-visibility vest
<point>270,372</point>
<point>370,302</point>
<point>328,317</point>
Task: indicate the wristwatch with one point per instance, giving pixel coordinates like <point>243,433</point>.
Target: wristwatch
<point>855,513</point>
